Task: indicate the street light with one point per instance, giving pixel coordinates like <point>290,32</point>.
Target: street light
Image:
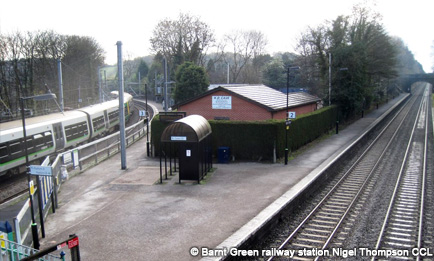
<point>42,97</point>
<point>287,111</point>
<point>147,121</point>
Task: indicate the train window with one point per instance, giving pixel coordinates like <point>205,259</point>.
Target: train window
<point>48,138</point>
<point>4,153</point>
<point>35,143</point>
<point>30,145</point>
<point>15,147</point>
<point>76,131</point>
<point>38,141</point>
<point>113,116</point>
<point>98,123</point>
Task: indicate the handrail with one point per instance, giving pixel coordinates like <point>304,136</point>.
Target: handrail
<point>108,142</point>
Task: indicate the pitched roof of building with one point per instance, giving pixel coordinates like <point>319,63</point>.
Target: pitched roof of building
<point>264,96</point>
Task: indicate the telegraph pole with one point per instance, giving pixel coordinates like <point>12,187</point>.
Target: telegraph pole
<point>59,69</point>
<point>330,78</point>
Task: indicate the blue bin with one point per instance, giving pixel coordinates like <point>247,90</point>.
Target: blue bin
<point>223,154</point>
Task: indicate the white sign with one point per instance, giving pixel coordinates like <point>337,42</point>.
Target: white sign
<point>178,138</point>
<point>291,115</point>
<point>222,102</point>
<point>142,113</point>
<point>188,153</point>
<point>40,170</point>
<point>67,158</point>
<point>75,159</point>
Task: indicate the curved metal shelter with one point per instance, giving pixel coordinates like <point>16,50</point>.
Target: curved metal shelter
<point>193,128</point>
<point>189,140</point>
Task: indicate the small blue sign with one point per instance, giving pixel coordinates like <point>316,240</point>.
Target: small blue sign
<point>40,170</point>
<point>291,115</point>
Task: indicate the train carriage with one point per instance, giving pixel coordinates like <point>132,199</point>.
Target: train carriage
<point>128,103</point>
<point>98,118</point>
<point>52,133</point>
<point>76,129</point>
<point>45,135</point>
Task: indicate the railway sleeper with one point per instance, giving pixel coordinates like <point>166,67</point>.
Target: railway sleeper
<point>406,189</point>
<point>331,209</point>
<point>405,216</point>
<point>325,222</point>
<point>336,206</point>
<point>306,244</point>
<point>329,213</point>
<point>398,221</point>
<point>405,237</point>
<point>405,230</point>
<point>317,231</point>
<point>401,234</point>
<point>351,185</point>
<point>313,241</point>
<point>409,196</point>
<point>407,209</point>
<point>342,197</point>
<point>349,190</point>
<point>309,236</point>
<point>400,212</point>
<point>321,218</point>
<point>333,201</point>
<point>397,244</point>
<point>322,226</point>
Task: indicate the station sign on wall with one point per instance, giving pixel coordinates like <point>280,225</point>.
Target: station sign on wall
<point>222,102</point>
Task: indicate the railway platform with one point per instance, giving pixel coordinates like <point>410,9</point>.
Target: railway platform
<point>126,215</point>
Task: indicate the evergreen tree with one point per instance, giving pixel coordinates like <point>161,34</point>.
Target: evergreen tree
<point>191,80</point>
<point>143,69</point>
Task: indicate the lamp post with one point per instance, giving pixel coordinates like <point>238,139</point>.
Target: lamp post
<point>287,111</point>
<point>147,121</point>
<point>43,97</point>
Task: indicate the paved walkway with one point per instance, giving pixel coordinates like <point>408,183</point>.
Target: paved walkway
<point>123,215</point>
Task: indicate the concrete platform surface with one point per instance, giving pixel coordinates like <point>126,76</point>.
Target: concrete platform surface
<point>124,215</point>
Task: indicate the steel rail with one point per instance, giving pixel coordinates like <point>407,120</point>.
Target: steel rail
<point>333,189</point>
<point>399,180</point>
<point>422,192</point>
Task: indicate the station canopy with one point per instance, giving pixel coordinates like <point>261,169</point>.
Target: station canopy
<point>193,128</point>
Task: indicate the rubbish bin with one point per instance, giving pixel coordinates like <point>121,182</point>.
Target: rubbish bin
<point>223,154</point>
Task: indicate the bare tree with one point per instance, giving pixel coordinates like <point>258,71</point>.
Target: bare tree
<point>184,39</point>
<point>240,48</point>
<point>28,63</point>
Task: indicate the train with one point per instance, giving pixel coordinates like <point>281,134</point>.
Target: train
<point>56,132</point>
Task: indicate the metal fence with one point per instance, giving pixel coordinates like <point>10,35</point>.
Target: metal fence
<point>88,155</point>
<point>11,251</point>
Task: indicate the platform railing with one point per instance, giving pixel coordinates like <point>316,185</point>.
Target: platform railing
<point>11,251</point>
<point>76,160</point>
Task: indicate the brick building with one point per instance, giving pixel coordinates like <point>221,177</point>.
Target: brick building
<point>247,102</point>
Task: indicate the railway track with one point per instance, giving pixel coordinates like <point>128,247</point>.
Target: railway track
<point>330,222</point>
<point>404,220</point>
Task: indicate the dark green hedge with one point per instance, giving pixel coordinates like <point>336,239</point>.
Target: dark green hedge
<point>252,140</point>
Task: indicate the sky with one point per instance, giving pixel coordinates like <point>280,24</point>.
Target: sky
<point>281,21</point>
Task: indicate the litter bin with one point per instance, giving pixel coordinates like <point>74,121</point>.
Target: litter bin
<point>223,154</point>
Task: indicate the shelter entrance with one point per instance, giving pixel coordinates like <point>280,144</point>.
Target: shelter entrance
<point>189,141</point>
